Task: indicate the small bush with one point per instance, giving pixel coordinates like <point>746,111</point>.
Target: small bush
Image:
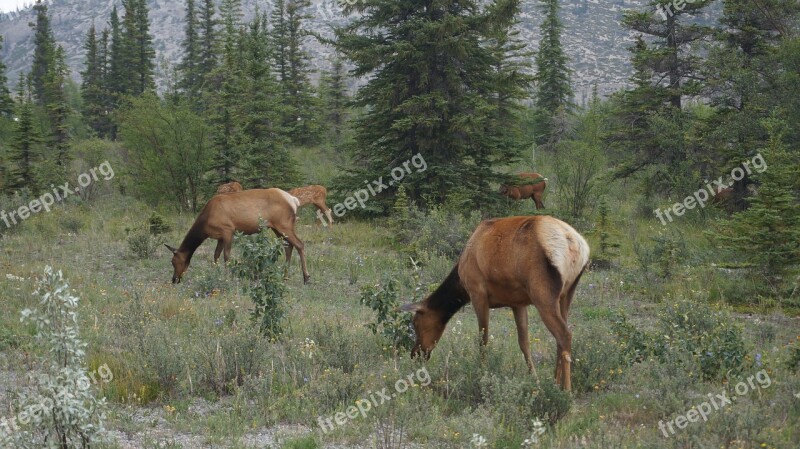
<point>390,322</point>
<point>142,243</point>
<point>519,400</point>
<point>260,270</point>
<point>158,225</point>
<point>61,409</point>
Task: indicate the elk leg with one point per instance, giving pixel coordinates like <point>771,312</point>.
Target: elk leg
<point>551,316</point>
<point>297,243</point>
<point>227,242</point>
<point>329,215</point>
<point>287,249</point>
<point>218,251</point>
<point>537,198</point>
<point>521,319</point>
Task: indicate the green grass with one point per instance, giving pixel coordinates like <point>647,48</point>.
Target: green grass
<point>172,346</point>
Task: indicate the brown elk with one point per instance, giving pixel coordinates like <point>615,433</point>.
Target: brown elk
<point>241,211</point>
<point>230,187</point>
<point>510,262</point>
<point>316,195</point>
<point>532,186</point>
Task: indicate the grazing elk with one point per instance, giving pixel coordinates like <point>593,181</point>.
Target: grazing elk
<point>510,262</point>
<point>241,211</point>
<point>230,187</point>
<point>316,195</point>
<point>532,186</point>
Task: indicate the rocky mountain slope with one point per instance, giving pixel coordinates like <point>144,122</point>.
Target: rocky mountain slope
<point>593,37</point>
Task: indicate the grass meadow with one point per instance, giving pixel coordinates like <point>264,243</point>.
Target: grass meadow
<point>654,336</point>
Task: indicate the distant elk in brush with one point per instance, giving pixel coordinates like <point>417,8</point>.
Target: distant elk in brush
<point>316,195</point>
<point>230,187</point>
<point>510,262</point>
<point>244,211</point>
<point>531,185</point>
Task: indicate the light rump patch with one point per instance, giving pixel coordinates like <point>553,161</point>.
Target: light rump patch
<point>567,250</point>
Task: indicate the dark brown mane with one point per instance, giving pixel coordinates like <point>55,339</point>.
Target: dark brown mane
<point>449,297</point>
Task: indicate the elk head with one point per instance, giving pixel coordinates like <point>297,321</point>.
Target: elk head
<point>180,263</point>
<point>428,327</point>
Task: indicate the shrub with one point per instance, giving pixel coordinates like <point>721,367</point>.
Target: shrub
<point>259,268</point>
<point>519,400</point>
<point>390,322</point>
<point>687,328</point>
<point>60,410</point>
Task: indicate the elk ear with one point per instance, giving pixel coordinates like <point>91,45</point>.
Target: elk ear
<point>171,249</point>
<point>412,307</point>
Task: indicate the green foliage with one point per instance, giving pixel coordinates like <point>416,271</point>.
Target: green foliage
<point>451,87</point>
<point>158,225</point>
<point>390,322</point>
<point>142,243</point>
<point>61,408</point>
<point>766,236</point>
<point>708,337</point>
<point>259,268</point>
<point>169,151</point>
<point>519,400</point>
<point>440,231</point>
<point>553,89</point>
<point>6,103</point>
<point>608,248</point>
<point>664,255</point>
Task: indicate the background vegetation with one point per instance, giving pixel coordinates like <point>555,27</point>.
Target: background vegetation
<point>667,315</point>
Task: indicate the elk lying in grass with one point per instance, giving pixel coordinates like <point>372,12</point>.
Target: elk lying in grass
<point>510,262</point>
<point>230,187</point>
<point>316,195</point>
<point>223,215</point>
<point>532,185</point>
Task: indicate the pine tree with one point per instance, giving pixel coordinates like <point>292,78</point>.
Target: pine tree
<point>57,108</point>
<point>25,144</point>
<point>144,54</point>
<point>554,93</point>
<point>189,67</point>
<point>740,83</point>
<point>224,98</point>
<point>6,103</point>
<point>117,78</point>
<point>267,161</point>
<point>44,46</point>
<point>92,84</point>
<point>336,98</point>
<point>208,38</point>
<point>301,118</point>
<point>431,92</point>
<point>767,235</point>
<point>667,56</point>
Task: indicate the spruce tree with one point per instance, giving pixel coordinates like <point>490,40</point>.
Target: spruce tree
<point>44,46</point>
<point>25,144</point>
<point>291,60</point>
<point>766,236</point>
<point>92,84</point>
<point>189,67</point>
<point>57,108</point>
<point>6,103</point>
<point>224,97</point>
<point>144,54</point>
<point>430,91</point>
<point>208,38</point>
<point>334,94</point>
<point>554,93</point>
<point>266,162</point>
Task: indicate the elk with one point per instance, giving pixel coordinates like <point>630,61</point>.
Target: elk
<point>314,194</point>
<point>533,185</point>
<point>241,211</point>
<point>230,187</point>
<point>510,262</point>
